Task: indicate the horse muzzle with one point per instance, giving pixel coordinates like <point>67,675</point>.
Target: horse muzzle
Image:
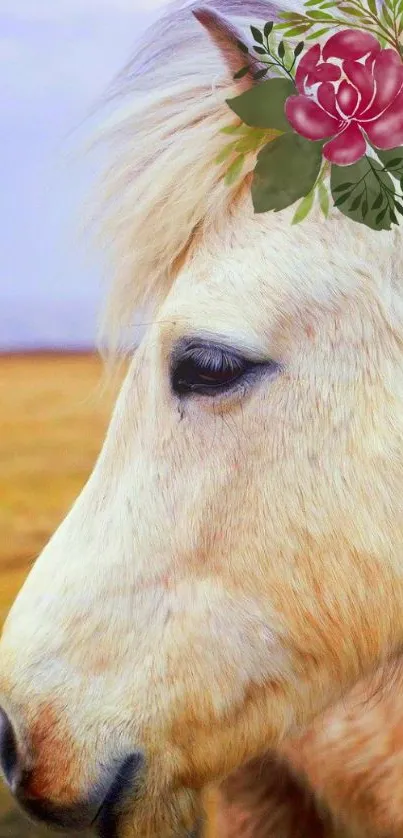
<point>100,810</point>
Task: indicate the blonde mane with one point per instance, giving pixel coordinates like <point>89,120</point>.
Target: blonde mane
<point>163,133</point>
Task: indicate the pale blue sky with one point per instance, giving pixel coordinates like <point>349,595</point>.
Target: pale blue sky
<point>56,58</point>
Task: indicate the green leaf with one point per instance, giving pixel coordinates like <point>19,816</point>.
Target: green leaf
<point>310,3</point>
<point>393,216</point>
<point>288,58</point>
<point>390,161</point>
<point>260,74</point>
<point>234,170</point>
<point>364,208</point>
<point>323,199</point>
<point>286,170</point>
<point>251,142</point>
<point>341,199</point>
<point>257,34</point>
<point>298,49</point>
<point>294,16</point>
<point>260,50</point>
<point>242,72</point>
<point>351,10</point>
<point>391,158</point>
<point>242,47</point>
<point>315,35</point>
<point>304,208</point>
<point>232,129</point>
<point>381,216</point>
<point>394,163</point>
<point>372,7</point>
<point>320,16</point>
<point>378,201</point>
<point>399,207</point>
<point>272,41</point>
<point>263,105</point>
<point>343,186</point>
<point>289,23</point>
<point>225,152</point>
<point>281,49</point>
<point>356,202</point>
<point>386,4</point>
<point>298,30</point>
<point>267,28</point>
<point>362,175</point>
<point>386,16</point>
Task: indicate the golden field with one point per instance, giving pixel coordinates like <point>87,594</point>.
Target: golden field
<point>54,410</point>
<point>53,415</point>
<point>53,418</point>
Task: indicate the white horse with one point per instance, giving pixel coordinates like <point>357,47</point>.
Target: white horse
<point>234,563</point>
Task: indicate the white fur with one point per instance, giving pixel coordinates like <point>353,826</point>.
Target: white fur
<point>213,586</point>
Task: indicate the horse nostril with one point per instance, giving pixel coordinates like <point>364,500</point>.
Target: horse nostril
<point>9,762</point>
<point>125,780</point>
<point>99,810</point>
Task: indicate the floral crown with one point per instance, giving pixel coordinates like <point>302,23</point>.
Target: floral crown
<point>330,117</point>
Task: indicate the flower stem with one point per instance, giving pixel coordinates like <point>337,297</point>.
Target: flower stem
<point>368,13</point>
<point>340,22</point>
<point>381,183</point>
<point>279,63</point>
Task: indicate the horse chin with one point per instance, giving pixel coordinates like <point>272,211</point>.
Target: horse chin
<point>130,829</point>
<point>176,816</point>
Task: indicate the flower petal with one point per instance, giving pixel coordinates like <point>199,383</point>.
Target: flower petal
<point>387,131</point>
<point>350,43</point>
<point>347,147</point>
<point>327,99</point>
<point>362,78</point>
<point>308,119</point>
<point>326,72</point>
<point>306,65</point>
<point>388,77</point>
<point>347,98</point>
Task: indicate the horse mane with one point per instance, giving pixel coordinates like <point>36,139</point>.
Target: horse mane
<point>162,135</point>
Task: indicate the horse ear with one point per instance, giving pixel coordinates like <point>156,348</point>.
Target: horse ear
<point>227,38</point>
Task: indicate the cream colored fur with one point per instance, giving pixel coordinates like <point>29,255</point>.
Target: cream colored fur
<point>233,564</point>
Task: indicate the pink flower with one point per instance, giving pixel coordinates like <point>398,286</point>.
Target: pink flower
<point>356,95</point>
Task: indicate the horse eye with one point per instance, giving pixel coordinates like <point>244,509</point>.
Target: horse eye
<point>207,370</point>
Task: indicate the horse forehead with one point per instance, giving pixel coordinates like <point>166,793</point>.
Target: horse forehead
<point>259,267</point>
<point>228,278</point>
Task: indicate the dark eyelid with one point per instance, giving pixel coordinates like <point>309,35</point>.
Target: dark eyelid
<point>191,355</point>
<point>214,357</point>
<point>186,346</point>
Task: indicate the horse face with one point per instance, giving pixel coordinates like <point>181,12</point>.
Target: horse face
<point>233,561</point>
